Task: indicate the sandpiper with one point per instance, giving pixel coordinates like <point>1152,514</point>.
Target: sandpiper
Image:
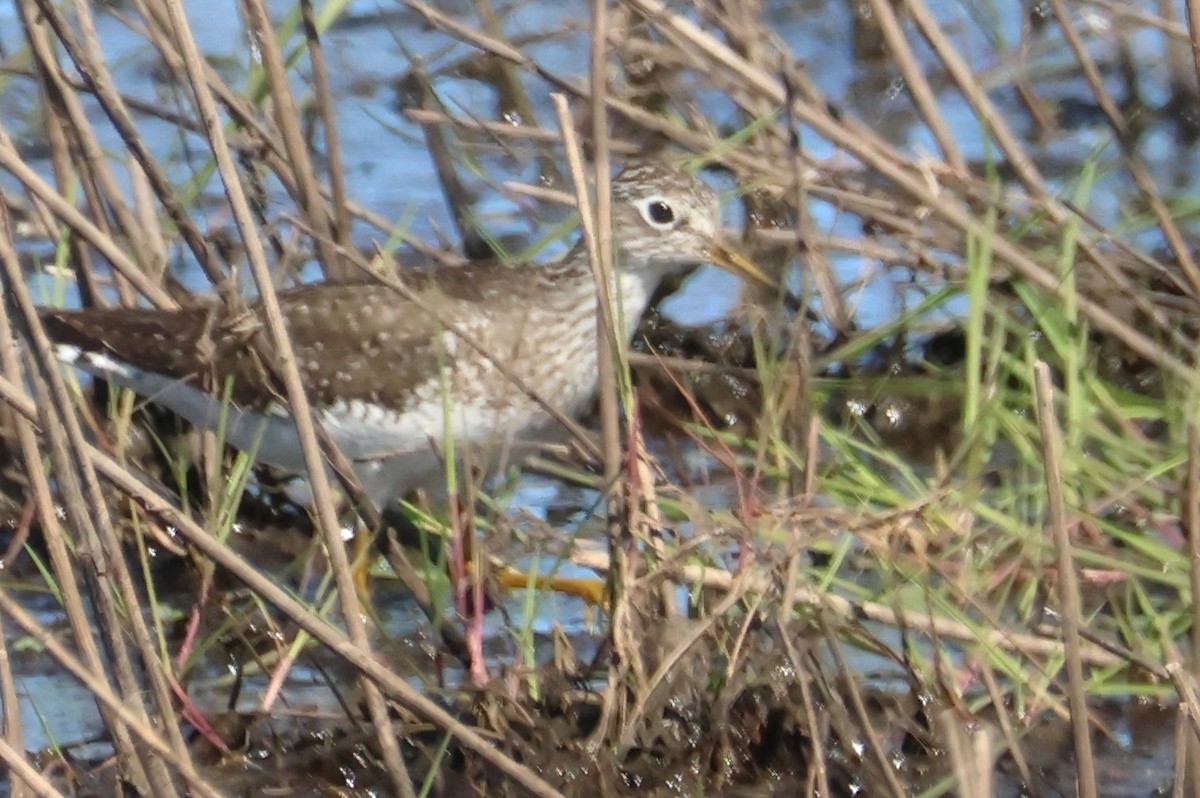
<point>390,379</point>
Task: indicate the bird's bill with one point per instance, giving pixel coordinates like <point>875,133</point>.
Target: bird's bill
<point>729,259</point>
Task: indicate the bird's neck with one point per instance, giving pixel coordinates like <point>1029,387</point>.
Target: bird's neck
<point>631,288</point>
<point>632,294</point>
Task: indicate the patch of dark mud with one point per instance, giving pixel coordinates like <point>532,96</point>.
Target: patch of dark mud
<point>907,402</point>
<point>725,717</point>
<point>742,712</point>
<point>738,706</point>
<point>720,386</point>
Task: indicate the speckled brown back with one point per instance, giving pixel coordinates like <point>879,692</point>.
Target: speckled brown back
<point>363,342</point>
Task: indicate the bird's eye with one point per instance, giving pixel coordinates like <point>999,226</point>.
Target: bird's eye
<point>657,212</point>
<point>661,212</point>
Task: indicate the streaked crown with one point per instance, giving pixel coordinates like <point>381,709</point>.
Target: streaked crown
<point>665,217</point>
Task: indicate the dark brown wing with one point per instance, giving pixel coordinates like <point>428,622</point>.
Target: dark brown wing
<point>367,342</point>
<point>201,345</point>
<point>351,341</point>
<point>361,342</point>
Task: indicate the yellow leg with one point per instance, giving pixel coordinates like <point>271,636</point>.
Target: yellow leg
<point>362,557</point>
<point>593,591</point>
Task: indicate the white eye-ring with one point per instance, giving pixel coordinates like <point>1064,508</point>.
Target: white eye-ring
<point>657,212</point>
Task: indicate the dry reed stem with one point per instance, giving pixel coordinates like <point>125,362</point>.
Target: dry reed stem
<point>1182,733</point>
<point>89,62</point>
<point>597,237</point>
<point>1132,162</point>
<point>14,733</point>
<point>1028,645</point>
<point>334,639</point>
<point>1187,731</point>
<point>104,566</point>
<point>285,358</point>
<point>130,717</point>
<point>819,777</point>
<point>459,30</point>
<point>1192,32</point>
<point>1189,697</point>
<point>611,348</point>
<point>917,84</point>
<point>1191,521</point>
<point>872,153</point>
<point>1011,739</point>
<point>511,90</point>
<point>643,513</point>
<point>286,116</point>
<point>1068,586</point>
<point>876,754</point>
<point>419,90</point>
<point>26,779</point>
<point>667,666</point>
<point>818,266</point>
<point>339,228</point>
<point>971,757</point>
<point>814,246</point>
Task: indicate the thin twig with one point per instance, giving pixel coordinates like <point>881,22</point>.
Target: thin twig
<point>337,641</point>
<point>1068,586</point>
